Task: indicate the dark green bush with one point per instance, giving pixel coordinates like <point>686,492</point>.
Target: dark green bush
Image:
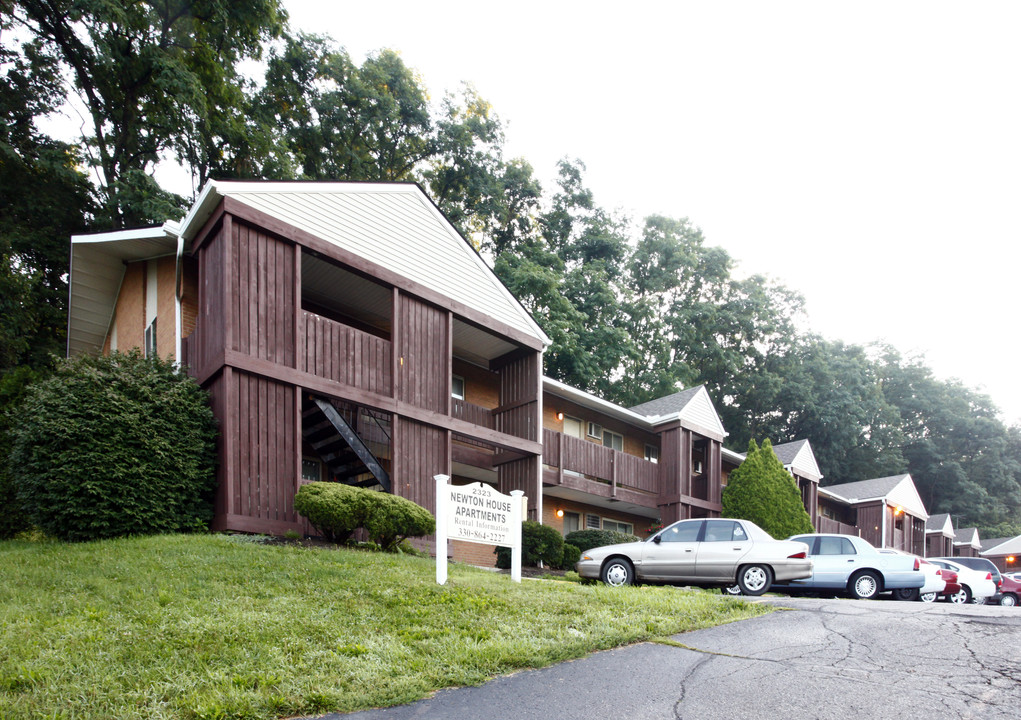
<point>588,539</point>
<point>13,387</point>
<point>392,519</point>
<point>538,542</point>
<point>571,556</point>
<point>334,510</point>
<point>110,446</point>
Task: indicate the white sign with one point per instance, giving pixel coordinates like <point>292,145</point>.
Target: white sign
<point>477,513</point>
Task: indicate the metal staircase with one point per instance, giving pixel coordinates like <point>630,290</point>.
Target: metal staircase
<point>346,455</point>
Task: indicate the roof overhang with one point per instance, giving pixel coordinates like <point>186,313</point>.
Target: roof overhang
<point>97,269</point>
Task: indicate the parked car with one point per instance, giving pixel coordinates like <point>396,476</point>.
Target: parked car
<point>976,586</point>
<point>934,583</point>
<point>1010,590</point>
<point>850,564</point>
<point>951,591</point>
<point>707,553</point>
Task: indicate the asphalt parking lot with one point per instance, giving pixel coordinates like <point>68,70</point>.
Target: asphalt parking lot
<point>823,659</point>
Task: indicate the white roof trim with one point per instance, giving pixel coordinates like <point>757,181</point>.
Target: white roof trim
<point>568,392</point>
<point>1011,546</point>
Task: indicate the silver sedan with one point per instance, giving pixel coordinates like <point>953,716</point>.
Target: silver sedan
<point>709,553</point>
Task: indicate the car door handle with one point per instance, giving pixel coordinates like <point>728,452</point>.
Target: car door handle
<point>851,560</point>
<point>688,550</point>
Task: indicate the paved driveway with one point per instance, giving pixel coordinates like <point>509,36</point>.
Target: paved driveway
<point>819,659</point>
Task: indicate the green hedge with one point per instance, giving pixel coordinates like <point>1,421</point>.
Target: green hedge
<point>13,388</point>
<point>337,510</point>
<point>572,554</point>
<point>588,539</point>
<point>538,542</point>
<point>117,445</point>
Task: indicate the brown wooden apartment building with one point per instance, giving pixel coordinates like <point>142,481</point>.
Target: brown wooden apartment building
<point>347,331</point>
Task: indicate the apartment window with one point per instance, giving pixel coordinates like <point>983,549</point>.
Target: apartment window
<point>652,453</point>
<point>592,522</point>
<point>613,440</point>
<point>572,522</point>
<point>457,387</point>
<point>595,430</point>
<point>311,470</point>
<point>150,339</point>
<point>623,527</point>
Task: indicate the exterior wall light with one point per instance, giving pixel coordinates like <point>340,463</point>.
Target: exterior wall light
<point>560,513</point>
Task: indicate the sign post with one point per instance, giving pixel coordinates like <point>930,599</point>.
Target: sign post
<point>477,513</point>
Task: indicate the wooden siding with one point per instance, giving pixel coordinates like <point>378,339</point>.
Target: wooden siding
<point>265,478</point>
<point>420,453</point>
<point>338,352</point>
<point>826,525</point>
<point>870,524</point>
<point>518,414</point>
<point>423,351</point>
<point>207,342</point>
<point>520,475</point>
<point>263,303</point>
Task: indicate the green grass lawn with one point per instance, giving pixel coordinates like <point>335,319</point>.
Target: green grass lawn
<point>214,626</point>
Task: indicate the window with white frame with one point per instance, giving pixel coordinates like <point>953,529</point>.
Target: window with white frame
<point>652,453</point>
<point>613,440</point>
<point>595,430</point>
<point>150,340</point>
<point>623,527</point>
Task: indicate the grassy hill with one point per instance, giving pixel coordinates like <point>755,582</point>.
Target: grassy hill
<point>219,627</point>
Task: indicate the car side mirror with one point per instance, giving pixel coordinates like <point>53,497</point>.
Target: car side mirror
<point>658,539</point>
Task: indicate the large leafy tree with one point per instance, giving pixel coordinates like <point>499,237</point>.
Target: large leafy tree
<point>153,78</point>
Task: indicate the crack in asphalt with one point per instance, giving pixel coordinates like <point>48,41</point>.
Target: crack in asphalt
<point>978,679</point>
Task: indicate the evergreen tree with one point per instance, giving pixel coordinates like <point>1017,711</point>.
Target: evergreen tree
<point>762,491</point>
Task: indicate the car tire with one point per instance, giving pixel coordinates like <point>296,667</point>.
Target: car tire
<point>754,579</point>
<point>617,572</point>
<point>908,594</point>
<point>1009,599</point>
<point>864,585</point>
<point>962,596</point>
<point>731,590</point>
<point>928,597</point>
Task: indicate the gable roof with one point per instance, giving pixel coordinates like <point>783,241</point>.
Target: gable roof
<point>895,490</point>
<point>96,272</point>
<point>394,225</point>
<point>940,523</point>
<point>798,457</point>
<point>693,407</point>
<point>968,536</point>
<point>1002,546</point>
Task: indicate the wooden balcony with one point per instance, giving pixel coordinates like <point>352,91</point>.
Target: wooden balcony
<point>335,351</point>
<point>826,525</point>
<point>583,465</point>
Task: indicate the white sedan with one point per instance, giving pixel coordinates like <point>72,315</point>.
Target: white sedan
<point>976,586</point>
<point>707,553</point>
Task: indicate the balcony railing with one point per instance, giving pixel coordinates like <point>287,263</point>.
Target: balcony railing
<point>338,352</point>
<point>599,463</point>
<point>827,525</point>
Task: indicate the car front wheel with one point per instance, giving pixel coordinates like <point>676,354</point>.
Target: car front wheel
<point>865,586</point>
<point>754,579</point>
<point>618,572</point>
<point>1008,599</point>
<point>928,597</point>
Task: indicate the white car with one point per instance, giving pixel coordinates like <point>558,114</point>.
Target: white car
<point>934,582</point>
<point>976,586</point>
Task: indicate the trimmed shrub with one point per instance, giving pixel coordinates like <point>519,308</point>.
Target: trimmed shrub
<point>571,556</point>
<point>334,510</point>
<point>762,491</point>
<point>337,510</point>
<point>111,446</point>
<point>391,520</point>
<point>588,539</point>
<point>538,542</point>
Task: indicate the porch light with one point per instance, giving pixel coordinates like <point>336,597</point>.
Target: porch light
<point>898,510</point>
<point>560,416</point>
<point>1010,559</point>
<point>560,513</point>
